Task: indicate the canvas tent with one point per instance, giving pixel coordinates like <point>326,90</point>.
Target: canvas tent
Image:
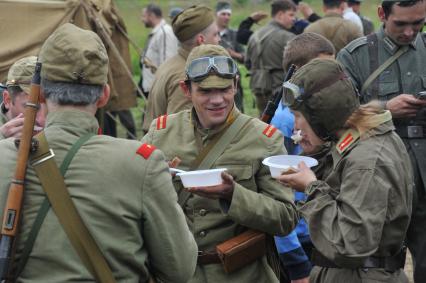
<point>26,24</point>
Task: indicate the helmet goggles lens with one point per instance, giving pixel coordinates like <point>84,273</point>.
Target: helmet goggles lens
<point>221,66</point>
<point>292,94</point>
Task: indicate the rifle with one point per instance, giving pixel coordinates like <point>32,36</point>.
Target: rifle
<point>13,207</point>
<point>272,106</point>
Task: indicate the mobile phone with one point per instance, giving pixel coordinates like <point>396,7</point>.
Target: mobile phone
<point>421,95</point>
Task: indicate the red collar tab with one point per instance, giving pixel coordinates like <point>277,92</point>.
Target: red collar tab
<point>269,131</point>
<point>161,122</point>
<point>348,138</point>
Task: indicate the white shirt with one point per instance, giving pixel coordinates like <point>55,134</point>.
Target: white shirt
<point>161,45</point>
<point>350,15</point>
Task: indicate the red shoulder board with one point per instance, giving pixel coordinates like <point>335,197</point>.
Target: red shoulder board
<point>348,138</point>
<point>161,122</point>
<point>269,131</point>
<point>146,150</point>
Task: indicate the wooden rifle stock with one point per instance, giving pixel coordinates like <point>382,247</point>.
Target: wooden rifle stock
<point>272,105</point>
<point>12,212</point>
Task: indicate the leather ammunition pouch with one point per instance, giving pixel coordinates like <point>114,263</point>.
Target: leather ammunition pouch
<point>390,263</point>
<point>241,250</point>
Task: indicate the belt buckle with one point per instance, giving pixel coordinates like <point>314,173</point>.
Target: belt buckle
<point>415,131</point>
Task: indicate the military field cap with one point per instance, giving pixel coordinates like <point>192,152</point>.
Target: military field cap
<point>21,73</point>
<point>223,7</point>
<point>327,96</point>
<point>74,55</point>
<point>209,50</point>
<point>191,21</point>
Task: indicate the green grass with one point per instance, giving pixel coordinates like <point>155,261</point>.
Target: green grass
<point>131,10</point>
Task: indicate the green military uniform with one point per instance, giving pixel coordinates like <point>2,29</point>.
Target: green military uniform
<point>3,120</point>
<point>264,60</point>
<point>121,189</point>
<point>165,96</point>
<point>406,75</point>
<point>259,202</point>
<point>358,211</point>
<point>336,29</point>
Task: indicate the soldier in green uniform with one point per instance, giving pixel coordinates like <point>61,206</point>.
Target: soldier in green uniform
<point>194,26</point>
<point>389,66</point>
<point>14,99</point>
<point>248,197</point>
<point>121,188</point>
<point>358,213</point>
<point>265,52</point>
<point>333,26</point>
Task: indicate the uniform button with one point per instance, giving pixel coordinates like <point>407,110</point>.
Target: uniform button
<point>408,73</point>
<point>202,234</point>
<point>416,144</point>
<point>203,212</point>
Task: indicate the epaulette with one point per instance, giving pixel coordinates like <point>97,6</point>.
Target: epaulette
<point>146,150</point>
<point>269,131</point>
<point>161,122</point>
<point>348,138</point>
<point>356,43</point>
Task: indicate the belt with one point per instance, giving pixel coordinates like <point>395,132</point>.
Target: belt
<point>211,257</point>
<point>390,263</point>
<point>411,131</point>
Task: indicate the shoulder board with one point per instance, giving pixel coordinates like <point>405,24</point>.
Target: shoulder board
<point>146,150</point>
<point>356,43</point>
<point>348,138</point>
<point>161,122</point>
<point>269,131</point>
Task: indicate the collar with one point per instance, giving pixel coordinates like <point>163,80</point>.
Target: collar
<point>380,124</point>
<point>208,133</point>
<point>276,24</point>
<point>390,45</point>
<point>183,52</point>
<point>158,27</point>
<point>332,15</point>
<point>75,121</point>
<point>347,141</point>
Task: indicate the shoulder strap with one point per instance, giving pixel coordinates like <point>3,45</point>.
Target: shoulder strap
<point>81,239</point>
<point>208,155</point>
<point>45,206</point>
<point>383,67</point>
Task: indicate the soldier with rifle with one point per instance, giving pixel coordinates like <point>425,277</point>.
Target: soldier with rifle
<point>79,221</point>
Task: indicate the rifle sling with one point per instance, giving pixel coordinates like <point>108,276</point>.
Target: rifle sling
<point>209,154</point>
<point>54,186</point>
<point>383,67</point>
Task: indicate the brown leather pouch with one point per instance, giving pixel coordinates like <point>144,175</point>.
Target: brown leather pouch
<point>241,250</point>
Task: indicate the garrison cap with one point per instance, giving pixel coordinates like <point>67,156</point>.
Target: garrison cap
<point>74,55</point>
<point>209,50</point>
<point>191,21</point>
<point>328,97</point>
<point>21,73</point>
<point>223,6</point>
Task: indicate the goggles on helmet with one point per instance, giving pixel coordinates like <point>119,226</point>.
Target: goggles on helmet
<point>293,93</point>
<point>221,66</point>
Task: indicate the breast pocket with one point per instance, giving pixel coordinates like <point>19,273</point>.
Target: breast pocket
<point>242,174</point>
<point>388,88</point>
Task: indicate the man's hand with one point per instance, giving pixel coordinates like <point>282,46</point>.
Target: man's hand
<point>235,55</point>
<point>305,9</point>
<point>222,191</point>
<point>302,280</point>
<point>258,16</point>
<point>404,105</point>
<point>13,128</point>
<point>299,180</point>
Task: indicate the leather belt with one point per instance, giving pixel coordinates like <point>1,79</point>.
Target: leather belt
<point>413,132</point>
<point>390,264</point>
<point>211,257</point>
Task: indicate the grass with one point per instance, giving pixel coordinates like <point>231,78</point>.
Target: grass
<point>131,10</point>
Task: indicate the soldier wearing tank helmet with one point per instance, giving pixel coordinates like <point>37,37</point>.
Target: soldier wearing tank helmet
<point>359,211</point>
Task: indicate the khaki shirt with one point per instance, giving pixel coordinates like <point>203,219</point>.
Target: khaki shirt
<point>336,29</point>
<point>3,120</point>
<point>259,202</point>
<point>127,202</point>
<point>362,207</point>
<point>166,96</point>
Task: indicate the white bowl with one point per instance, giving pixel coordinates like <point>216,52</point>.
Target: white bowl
<point>201,178</point>
<point>279,164</point>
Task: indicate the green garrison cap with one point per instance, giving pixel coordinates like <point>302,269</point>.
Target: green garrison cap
<point>21,73</point>
<point>328,97</point>
<point>74,55</point>
<point>191,21</point>
<point>209,50</point>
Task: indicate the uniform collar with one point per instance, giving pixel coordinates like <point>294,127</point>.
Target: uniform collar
<point>332,15</point>
<point>207,133</point>
<point>276,24</point>
<point>391,46</point>
<point>75,121</point>
<point>183,52</point>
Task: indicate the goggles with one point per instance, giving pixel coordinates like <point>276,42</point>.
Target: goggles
<point>221,66</point>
